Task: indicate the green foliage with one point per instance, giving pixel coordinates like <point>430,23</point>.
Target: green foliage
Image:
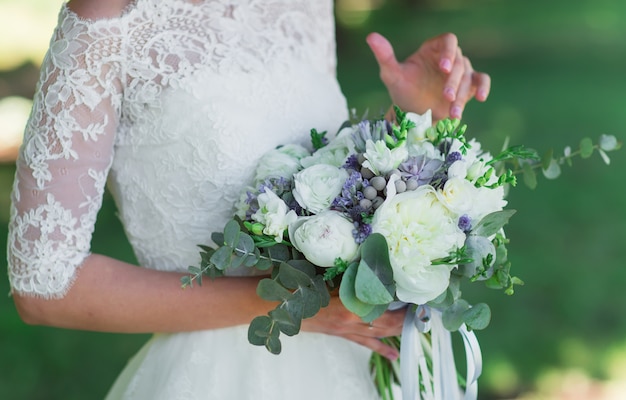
<point>318,139</point>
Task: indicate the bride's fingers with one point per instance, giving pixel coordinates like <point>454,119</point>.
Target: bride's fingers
<point>454,78</point>
<point>482,82</point>
<point>465,91</point>
<point>375,345</point>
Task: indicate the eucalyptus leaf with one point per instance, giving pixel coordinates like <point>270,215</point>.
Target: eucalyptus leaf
<point>263,264</point>
<point>320,284</point>
<point>281,316</point>
<point>605,157</point>
<point>259,330</point>
<point>279,252</point>
<point>586,148</point>
<point>490,224</point>
<point>217,238</point>
<point>375,252</point>
<point>368,287</point>
<point>231,233</point>
<point>311,302</point>
<point>245,244</point>
<point>478,248</point>
<point>375,313</point>
<point>477,317</point>
<point>529,175</point>
<point>303,266</point>
<point>273,345</point>
<point>553,170</point>
<point>454,316</point>
<point>293,278</point>
<point>347,293</point>
<point>221,257</point>
<point>269,289</point>
<point>295,308</point>
<point>547,159</point>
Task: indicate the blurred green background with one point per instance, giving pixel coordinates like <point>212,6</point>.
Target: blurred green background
<point>559,74</point>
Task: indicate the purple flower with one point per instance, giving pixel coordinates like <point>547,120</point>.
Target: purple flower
<point>465,223</point>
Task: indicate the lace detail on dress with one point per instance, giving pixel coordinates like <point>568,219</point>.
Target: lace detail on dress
<point>172,96</point>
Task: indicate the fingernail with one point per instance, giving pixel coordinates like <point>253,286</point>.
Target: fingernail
<point>456,112</point>
<point>393,355</point>
<point>445,64</point>
<point>481,94</point>
<point>449,93</point>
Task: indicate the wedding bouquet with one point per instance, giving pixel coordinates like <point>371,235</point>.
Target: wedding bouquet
<point>392,214</point>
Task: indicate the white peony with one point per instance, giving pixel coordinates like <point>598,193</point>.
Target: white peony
<point>418,229</point>
<point>324,237</point>
<point>274,214</point>
<point>280,162</point>
<point>380,159</point>
<point>317,186</point>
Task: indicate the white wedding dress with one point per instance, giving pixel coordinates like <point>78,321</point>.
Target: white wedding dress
<point>173,103</point>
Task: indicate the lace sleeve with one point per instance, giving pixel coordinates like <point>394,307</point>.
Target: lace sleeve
<point>65,158</point>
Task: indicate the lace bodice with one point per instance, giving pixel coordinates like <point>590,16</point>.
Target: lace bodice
<point>173,103</point>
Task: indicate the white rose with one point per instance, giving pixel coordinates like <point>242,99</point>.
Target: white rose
<point>281,162</point>
<point>317,186</point>
<point>380,159</point>
<point>274,214</point>
<point>324,237</point>
<point>418,229</point>
<point>334,153</point>
<point>459,195</point>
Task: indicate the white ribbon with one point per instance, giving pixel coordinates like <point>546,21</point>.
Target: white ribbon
<point>443,384</point>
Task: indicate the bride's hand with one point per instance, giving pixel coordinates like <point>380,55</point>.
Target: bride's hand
<point>437,76</point>
<point>338,321</point>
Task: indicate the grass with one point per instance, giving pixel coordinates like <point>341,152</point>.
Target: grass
<point>557,72</point>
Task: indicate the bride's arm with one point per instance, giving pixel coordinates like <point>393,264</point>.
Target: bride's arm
<point>112,296</point>
<point>60,178</point>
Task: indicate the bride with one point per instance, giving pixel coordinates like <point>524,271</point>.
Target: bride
<point>173,102</point>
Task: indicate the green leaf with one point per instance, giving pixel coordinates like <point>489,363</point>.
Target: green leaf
<point>609,143</point>
<point>454,316</point>
<point>221,258</point>
<point>279,252</point>
<point>529,175</point>
<point>322,290</point>
<point>273,345</point>
<point>293,278</point>
<point>311,302</point>
<point>477,317</point>
<point>552,171</point>
<point>547,158</point>
<point>259,330</point>
<point>269,289</point>
<point>368,287</point>
<point>347,293</point>
<point>375,313</point>
<point>263,264</point>
<point>217,238</point>
<point>284,321</point>
<point>231,233</point>
<point>375,252</point>
<point>490,224</point>
<point>478,249</point>
<point>586,148</point>
<point>295,308</point>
